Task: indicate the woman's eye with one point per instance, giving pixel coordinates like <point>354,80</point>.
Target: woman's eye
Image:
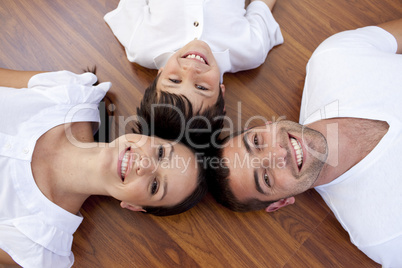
<point>176,81</point>
<point>266,179</point>
<point>201,87</point>
<point>154,187</point>
<point>161,152</point>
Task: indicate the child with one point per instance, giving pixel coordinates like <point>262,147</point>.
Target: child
<point>192,44</point>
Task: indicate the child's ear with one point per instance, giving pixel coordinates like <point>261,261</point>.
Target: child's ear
<point>280,204</point>
<point>131,207</point>
<point>223,89</point>
<point>160,70</point>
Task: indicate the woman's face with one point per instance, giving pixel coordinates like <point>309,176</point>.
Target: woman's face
<point>149,171</point>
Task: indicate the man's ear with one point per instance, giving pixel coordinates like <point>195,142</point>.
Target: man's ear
<point>279,204</point>
<point>223,89</point>
<point>131,207</point>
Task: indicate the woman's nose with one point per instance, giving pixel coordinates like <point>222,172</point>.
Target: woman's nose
<point>144,166</point>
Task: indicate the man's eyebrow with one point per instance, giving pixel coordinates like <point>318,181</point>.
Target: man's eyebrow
<point>245,142</point>
<point>257,182</point>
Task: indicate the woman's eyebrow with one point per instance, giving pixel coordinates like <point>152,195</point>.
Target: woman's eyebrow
<point>165,187</point>
<point>171,151</point>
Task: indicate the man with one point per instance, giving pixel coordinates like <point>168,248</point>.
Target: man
<point>347,146</point>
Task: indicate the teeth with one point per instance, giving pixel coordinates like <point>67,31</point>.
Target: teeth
<point>299,152</point>
<point>124,164</point>
<point>197,57</point>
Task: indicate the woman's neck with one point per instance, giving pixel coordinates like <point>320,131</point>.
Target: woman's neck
<point>63,166</point>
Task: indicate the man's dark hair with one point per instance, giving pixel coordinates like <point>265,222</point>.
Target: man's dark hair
<point>172,117</point>
<point>218,184</point>
<point>195,197</point>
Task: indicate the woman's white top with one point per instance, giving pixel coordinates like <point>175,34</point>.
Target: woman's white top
<point>34,231</point>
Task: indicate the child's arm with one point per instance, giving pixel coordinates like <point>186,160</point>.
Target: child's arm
<point>15,79</point>
<point>269,3</point>
<point>395,28</point>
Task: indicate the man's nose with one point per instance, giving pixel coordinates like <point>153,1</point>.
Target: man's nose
<point>273,155</point>
<point>280,152</point>
<point>145,166</point>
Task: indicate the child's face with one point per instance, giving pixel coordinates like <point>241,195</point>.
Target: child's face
<point>193,72</point>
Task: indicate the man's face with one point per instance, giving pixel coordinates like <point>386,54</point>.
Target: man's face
<point>193,72</point>
<point>275,161</point>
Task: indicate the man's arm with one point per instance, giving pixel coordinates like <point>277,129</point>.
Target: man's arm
<point>395,28</point>
<point>15,79</point>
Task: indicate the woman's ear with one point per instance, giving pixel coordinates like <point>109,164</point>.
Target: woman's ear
<point>279,204</point>
<point>131,207</point>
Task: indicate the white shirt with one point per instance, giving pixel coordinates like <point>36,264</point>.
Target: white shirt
<point>34,231</point>
<point>151,31</point>
<point>357,74</point>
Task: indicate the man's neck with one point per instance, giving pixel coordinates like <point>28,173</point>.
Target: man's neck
<point>349,141</point>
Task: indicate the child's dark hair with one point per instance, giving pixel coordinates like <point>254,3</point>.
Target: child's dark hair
<point>172,117</point>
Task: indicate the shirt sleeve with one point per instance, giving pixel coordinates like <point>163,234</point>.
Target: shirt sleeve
<point>125,19</point>
<point>264,33</point>
<point>366,38</point>
<point>388,253</point>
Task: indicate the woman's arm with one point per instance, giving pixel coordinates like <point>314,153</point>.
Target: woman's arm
<point>6,259</point>
<point>15,79</point>
<point>395,28</point>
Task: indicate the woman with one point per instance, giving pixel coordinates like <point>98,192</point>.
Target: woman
<point>50,165</point>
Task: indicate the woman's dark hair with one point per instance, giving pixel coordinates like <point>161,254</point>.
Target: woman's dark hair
<point>172,117</point>
<point>195,197</point>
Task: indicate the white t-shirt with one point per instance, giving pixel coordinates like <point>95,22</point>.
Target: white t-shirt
<point>357,74</point>
<point>34,231</point>
<point>151,31</point>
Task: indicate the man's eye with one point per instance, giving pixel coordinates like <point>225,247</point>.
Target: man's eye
<point>201,87</point>
<point>255,141</point>
<point>161,152</point>
<point>154,187</point>
<point>266,179</point>
<point>176,81</point>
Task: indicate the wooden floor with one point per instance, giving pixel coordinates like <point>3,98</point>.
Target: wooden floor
<point>55,34</point>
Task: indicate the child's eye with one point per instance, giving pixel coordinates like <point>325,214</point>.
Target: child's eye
<point>176,81</point>
<point>201,87</point>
